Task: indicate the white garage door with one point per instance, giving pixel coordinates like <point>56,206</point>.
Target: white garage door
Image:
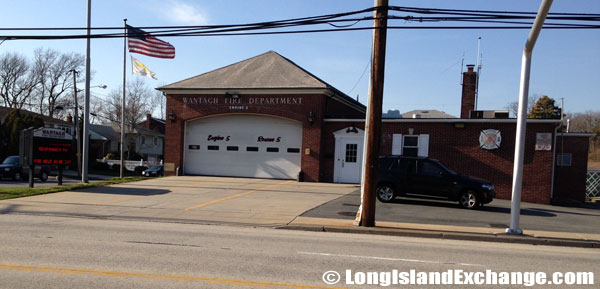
<point>243,146</point>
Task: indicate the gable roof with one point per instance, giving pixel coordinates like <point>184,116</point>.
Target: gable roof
<point>269,70</point>
<point>266,71</point>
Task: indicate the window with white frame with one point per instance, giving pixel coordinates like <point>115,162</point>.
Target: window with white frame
<point>410,145</point>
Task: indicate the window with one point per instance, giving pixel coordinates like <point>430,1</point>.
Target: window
<point>564,160</point>
<point>293,150</point>
<point>272,150</point>
<point>351,152</point>
<point>232,148</point>
<point>194,147</point>
<point>143,140</point>
<point>155,141</point>
<point>251,149</point>
<point>213,148</point>
<point>410,145</point>
<point>429,169</point>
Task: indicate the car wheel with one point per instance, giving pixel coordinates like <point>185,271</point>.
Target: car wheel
<point>385,193</point>
<point>43,176</point>
<point>468,200</point>
<point>17,176</point>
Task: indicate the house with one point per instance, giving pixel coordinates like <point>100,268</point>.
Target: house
<point>267,117</point>
<point>65,125</point>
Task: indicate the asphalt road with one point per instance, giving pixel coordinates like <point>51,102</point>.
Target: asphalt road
<point>493,215</point>
<point>62,252</point>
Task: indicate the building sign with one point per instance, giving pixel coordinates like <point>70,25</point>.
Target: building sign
<point>543,141</point>
<point>241,103</point>
<point>47,146</point>
<point>215,138</point>
<point>268,139</point>
<point>490,139</point>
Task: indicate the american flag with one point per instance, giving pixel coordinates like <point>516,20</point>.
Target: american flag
<point>143,43</point>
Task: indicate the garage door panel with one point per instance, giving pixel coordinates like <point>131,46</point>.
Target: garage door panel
<point>262,145</point>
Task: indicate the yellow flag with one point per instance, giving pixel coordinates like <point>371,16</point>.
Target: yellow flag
<point>141,69</point>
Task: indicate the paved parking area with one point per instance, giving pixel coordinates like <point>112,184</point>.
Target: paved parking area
<point>52,181</point>
<point>493,215</point>
<point>187,199</point>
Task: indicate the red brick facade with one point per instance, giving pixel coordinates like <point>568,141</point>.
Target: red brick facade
<point>570,179</point>
<point>456,144</point>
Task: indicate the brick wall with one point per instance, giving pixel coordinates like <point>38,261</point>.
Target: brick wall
<point>458,148</point>
<point>570,181</point>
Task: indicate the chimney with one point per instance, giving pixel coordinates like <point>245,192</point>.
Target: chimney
<point>148,120</point>
<point>69,118</point>
<point>468,91</point>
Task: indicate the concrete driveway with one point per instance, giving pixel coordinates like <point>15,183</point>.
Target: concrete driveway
<point>187,199</point>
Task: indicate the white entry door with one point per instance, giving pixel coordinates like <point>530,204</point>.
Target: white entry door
<point>348,157</point>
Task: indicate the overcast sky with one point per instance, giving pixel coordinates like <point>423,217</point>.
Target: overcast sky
<point>422,66</point>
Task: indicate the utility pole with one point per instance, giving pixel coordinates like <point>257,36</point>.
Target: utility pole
<point>86,108</point>
<point>77,123</point>
<point>366,214</point>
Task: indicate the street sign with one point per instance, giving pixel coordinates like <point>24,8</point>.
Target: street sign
<point>47,146</point>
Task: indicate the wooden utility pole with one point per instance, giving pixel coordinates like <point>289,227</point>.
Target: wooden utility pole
<point>366,213</point>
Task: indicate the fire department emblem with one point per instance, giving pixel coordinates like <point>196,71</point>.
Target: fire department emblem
<point>490,139</point>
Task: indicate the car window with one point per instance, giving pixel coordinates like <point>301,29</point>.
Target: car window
<point>429,169</point>
<point>411,166</point>
<point>11,160</point>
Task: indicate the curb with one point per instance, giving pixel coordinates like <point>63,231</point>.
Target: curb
<point>502,238</point>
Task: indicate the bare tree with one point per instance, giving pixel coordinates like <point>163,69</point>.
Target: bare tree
<point>513,107</point>
<point>160,102</point>
<point>139,102</point>
<point>17,82</point>
<point>53,71</point>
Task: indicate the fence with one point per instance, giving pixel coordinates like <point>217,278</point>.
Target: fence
<point>592,189</point>
<point>129,165</point>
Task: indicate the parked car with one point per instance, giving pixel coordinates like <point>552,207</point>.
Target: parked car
<point>154,171</point>
<point>428,178</point>
<point>12,168</point>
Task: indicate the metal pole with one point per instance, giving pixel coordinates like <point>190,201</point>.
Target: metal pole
<point>123,103</point>
<point>78,155</point>
<point>373,118</point>
<point>86,108</point>
<point>478,71</point>
<point>515,209</point>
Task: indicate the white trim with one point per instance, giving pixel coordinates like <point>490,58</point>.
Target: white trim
<point>423,144</point>
<point>247,91</point>
<point>448,120</point>
<point>584,134</point>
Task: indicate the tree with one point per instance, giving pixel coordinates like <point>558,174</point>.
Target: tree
<point>17,82</point>
<point>10,129</point>
<point>545,108</point>
<point>513,107</point>
<point>138,103</point>
<point>53,72</point>
<point>161,103</point>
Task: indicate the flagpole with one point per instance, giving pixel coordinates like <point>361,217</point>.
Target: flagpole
<point>86,108</point>
<point>123,103</point>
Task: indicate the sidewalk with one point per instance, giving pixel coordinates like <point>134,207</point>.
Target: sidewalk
<point>533,237</point>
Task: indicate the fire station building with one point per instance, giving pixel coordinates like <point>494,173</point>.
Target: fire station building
<point>267,117</point>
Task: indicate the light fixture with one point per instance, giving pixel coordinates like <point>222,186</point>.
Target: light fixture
<point>311,117</point>
<point>232,95</point>
<point>172,116</point>
<point>352,128</point>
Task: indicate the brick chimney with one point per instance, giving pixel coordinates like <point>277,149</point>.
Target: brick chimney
<point>148,120</point>
<point>469,84</point>
<point>69,118</point>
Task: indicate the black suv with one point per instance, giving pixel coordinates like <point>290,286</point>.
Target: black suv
<point>424,177</point>
<point>14,169</point>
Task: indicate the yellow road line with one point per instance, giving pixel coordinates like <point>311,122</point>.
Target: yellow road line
<point>133,197</point>
<point>154,276</point>
<point>235,196</point>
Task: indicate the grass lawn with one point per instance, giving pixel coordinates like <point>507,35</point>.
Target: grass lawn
<point>17,192</point>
